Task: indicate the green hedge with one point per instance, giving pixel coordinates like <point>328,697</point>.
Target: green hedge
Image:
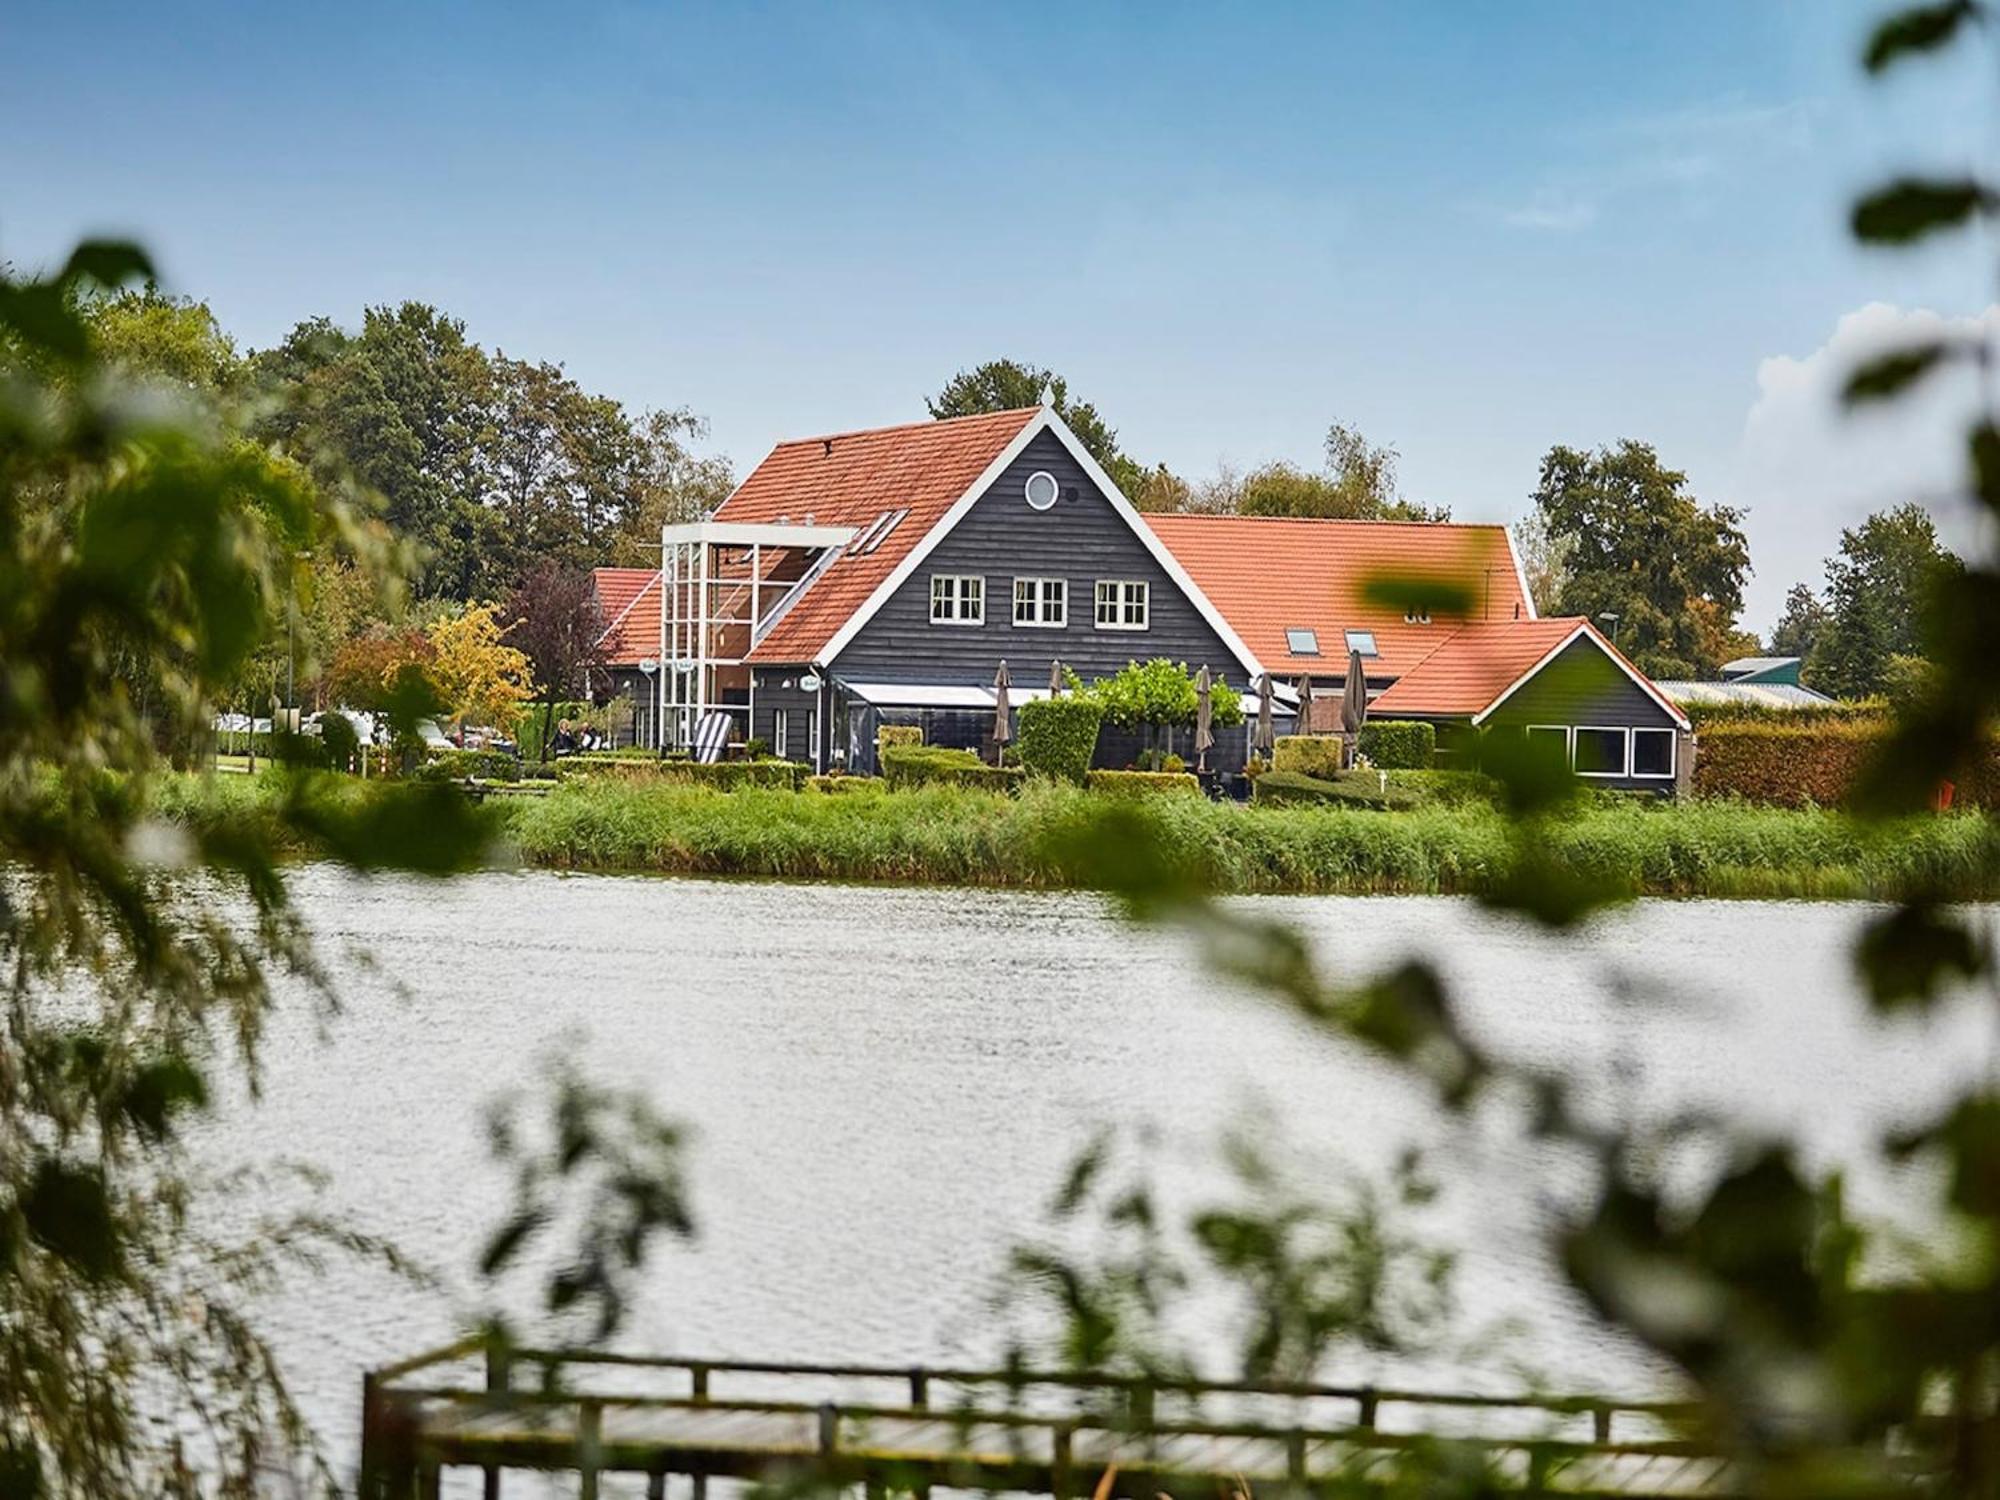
<point>897,734</point>
<point>727,775</point>
<point>1289,788</point>
<point>844,786</point>
<point>1058,736</point>
<point>1140,783</point>
<point>1307,754</point>
<point>462,765</point>
<point>1399,744</point>
<point>932,765</point>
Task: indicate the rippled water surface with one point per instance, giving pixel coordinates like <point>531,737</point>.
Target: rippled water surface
<point>887,1084</point>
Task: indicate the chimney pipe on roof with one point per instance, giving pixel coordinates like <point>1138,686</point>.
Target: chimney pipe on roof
<point>826,448</point>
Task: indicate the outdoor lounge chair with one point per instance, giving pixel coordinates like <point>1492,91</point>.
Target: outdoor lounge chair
<point>711,738</point>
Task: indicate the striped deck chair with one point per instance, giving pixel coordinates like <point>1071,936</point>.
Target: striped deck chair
<point>711,737</point>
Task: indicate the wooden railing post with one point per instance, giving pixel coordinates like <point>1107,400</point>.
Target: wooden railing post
<point>1062,1461</point>
<point>920,1387</point>
<point>829,1430</point>
<point>1295,1459</point>
<point>499,1381</point>
<point>1142,1405</point>
<point>698,1375</point>
<point>1600,1422</point>
<point>589,1446</point>
<point>1368,1406</point>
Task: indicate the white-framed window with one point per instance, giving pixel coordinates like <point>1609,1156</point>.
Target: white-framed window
<point>1417,616</point>
<point>1653,753</point>
<point>781,722</point>
<point>1301,641</point>
<point>1596,751</point>
<point>1041,491</point>
<point>958,599</point>
<point>1122,604</point>
<point>1555,735</point>
<point>1362,641</point>
<point>1042,602</point>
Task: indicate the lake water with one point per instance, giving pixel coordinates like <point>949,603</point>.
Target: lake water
<point>887,1085</point>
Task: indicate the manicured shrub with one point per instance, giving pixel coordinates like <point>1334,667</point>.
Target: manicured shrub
<point>1307,755</point>
<point>932,765</point>
<point>1399,744</point>
<point>463,765</point>
<point>1058,736</point>
<point>1788,763</point>
<point>728,775</point>
<point>1289,788</point>
<point>897,734</point>
<point>1141,783</point>
<point>844,786</point>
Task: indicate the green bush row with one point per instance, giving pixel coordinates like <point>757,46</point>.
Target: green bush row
<point>1349,789</point>
<point>932,765</point>
<point>1307,754</point>
<point>1058,736</point>
<point>1399,744</point>
<point>1140,783</point>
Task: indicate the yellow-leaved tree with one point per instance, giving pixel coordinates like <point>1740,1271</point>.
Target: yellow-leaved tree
<point>480,678</point>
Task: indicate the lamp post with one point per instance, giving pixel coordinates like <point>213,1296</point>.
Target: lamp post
<point>1612,616</point>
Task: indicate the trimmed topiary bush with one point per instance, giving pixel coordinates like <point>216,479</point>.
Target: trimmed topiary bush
<point>897,734</point>
<point>1058,736</point>
<point>906,766</point>
<point>1289,788</point>
<point>1399,744</point>
<point>1307,754</point>
<point>844,786</point>
<point>1141,783</point>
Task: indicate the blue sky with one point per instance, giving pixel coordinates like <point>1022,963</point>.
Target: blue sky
<point>1472,229</point>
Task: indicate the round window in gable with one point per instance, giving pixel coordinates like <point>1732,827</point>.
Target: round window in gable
<point>1042,489</point>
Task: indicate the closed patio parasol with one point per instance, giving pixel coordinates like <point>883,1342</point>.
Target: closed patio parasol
<point>1267,733</point>
<point>1204,718</point>
<point>1354,703</point>
<point>1003,719</point>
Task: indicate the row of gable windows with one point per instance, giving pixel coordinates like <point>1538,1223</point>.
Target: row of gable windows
<point>1041,603</point>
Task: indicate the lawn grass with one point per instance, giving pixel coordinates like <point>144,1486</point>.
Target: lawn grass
<point>944,835</point>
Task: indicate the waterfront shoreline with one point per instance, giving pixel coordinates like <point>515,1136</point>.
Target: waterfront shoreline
<point>950,836</point>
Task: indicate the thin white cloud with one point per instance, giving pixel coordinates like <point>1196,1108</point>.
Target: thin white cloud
<point>1806,467</point>
<point>1553,210</point>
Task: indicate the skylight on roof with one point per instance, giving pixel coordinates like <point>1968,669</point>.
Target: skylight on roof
<point>866,535</point>
<point>889,524</point>
<point>1362,641</point>
<point>1301,642</point>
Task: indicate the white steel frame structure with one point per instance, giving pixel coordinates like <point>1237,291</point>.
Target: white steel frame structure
<point>716,604</point>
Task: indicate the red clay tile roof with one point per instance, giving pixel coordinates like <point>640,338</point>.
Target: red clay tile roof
<point>850,479</point>
<point>629,599</point>
<point>1476,664</point>
<point>1268,574</point>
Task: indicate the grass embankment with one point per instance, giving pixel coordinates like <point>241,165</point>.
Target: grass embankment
<point>957,836</point>
<point>963,836</point>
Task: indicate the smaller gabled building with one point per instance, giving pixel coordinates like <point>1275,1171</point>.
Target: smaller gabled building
<point>1555,679</point>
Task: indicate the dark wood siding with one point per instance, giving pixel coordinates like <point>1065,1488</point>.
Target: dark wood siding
<point>778,688</point>
<point>1584,687</point>
<point>1081,539</point>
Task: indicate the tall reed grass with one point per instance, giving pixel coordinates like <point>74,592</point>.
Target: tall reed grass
<point>964,836</point>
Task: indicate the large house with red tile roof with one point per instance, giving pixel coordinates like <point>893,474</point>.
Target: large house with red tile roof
<point>863,578</point>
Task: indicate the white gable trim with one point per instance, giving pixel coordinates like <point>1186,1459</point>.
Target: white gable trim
<point>1584,628</point>
<point>1161,553</point>
<point>1520,573</point>
<point>1045,420</point>
<point>886,589</point>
